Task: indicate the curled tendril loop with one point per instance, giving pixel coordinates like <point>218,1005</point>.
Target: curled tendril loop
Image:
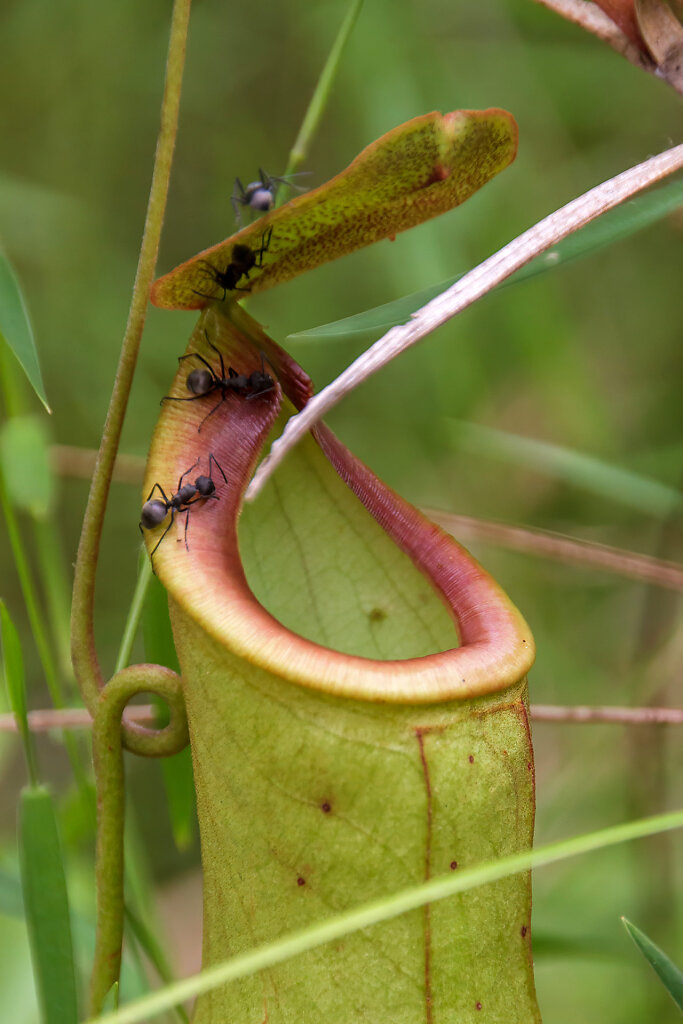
<point>161,682</point>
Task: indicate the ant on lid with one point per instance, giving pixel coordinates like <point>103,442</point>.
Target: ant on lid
<point>155,510</point>
<point>205,381</point>
<point>260,195</point>
<point>243,259</point>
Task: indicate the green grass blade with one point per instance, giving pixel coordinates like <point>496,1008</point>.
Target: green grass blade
<point>15,329</point>
<point>47,907</point>
<point>569,466</point>
<point>25,454</point>
<point>321,94</point>
<point>15,681</point>
<point>383,910</point>
<point>613,227</point>
<point>177,770</point>
<point>666,970</point>
<point>134,612</point>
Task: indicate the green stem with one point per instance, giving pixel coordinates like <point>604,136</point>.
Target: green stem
<point>316,107</point>
<point>134,613</point>
<point>84,655</point>
<point>108,759</point>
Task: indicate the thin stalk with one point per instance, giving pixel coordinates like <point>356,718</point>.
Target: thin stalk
<point>84,655</point>
<point>321,93</point>
<point>148,714</point>
<point>134,613</point>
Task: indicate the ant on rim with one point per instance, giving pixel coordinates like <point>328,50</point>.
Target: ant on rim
<point>243,259</point>
<point>260,195</point>
<point>203,382</point>
<point>155,510</point>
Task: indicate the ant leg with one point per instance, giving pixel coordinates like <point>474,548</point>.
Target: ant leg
<point>151,557</point>
<point>187,523</point>
<point>218,353</point>
<point>172,398</point>
<point>161,491</point>
<point>212,458</point>
<point>180,481</point>
<point>215,408</point>
<point>196,355</point>
<point>266,361</point>
<point>205,296</point>
<point>239,198</point>
<point>261,391</point>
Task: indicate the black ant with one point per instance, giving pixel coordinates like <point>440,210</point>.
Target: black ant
<point>259,195</point>
<point>243,259</point>
<point>155,510</point>
<point>203,382</point>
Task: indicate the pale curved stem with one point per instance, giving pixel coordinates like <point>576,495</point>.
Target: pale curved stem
<point>79,718</point>
<point>464,293</point>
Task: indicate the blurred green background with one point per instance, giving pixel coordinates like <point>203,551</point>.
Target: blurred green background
<point>587,358</point>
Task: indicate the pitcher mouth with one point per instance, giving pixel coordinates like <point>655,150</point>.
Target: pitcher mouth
<point>493,646</point>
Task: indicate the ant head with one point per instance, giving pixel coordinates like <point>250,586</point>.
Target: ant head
<point>241,253</point>
<point>260,381</point>
<point>200,382</point>
<point>153,513</point>
<point>205,486</point>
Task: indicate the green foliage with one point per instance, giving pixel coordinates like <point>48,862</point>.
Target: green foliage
<point>24,451</point>
<point>666,970</point>
<point>47,907</point>
<point>15,681</point>
<point>587,359</point>
<point>613,227</point>
<point>15,328</point>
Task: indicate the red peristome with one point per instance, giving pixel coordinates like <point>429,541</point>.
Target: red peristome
<point>496,647</point>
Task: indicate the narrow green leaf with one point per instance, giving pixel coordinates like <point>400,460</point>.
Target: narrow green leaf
<point>668,973</point>
<point>383,910</point>
<point>572,467</point>
<point>177,770</point>
<point>25,454</point>
<point>15,681</point>
<point>111,1000</point>
<point>47,907</point>
<point>15,329</point>
<point>613,227</point>
<point>322,91</point>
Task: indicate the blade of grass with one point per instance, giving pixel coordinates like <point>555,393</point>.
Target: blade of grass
<point>569,466</point>
<point>47,907</point>
<point>666,970</point>
<point>15,681</point>
<point>321,94</point>
<point>154,952</point>
<point>383,910</point>
<point>16,331</point>
<point>134,612</point>
<point>176,770</point>
<point>613,227</point>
